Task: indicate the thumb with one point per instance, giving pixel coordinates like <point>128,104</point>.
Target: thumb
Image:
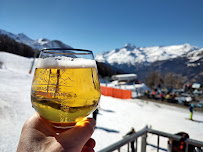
<point>76,137</point>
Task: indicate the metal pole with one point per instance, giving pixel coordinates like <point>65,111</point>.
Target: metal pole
<point>186,150</point>
<point>158,144</point>
<point>136,145</point>
<point>144,143</point>
<point>124,141</point>
<point>33,61</point>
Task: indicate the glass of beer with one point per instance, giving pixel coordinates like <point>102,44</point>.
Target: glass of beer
<point>65,87</point>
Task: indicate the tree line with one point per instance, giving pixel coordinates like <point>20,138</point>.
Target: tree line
<point>8,44</point>
<point>166,80</point>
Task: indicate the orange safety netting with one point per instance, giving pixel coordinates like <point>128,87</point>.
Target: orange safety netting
<point>117,93</point>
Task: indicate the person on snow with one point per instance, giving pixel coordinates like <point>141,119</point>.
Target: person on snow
<point>132,143</point>
<point>191,110</point>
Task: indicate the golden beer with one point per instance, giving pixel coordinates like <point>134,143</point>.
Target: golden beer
<point>65,94</point>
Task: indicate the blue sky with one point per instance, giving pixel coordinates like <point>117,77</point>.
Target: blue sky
<point>103,25</point>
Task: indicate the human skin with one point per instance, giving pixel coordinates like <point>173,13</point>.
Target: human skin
<point>38,135</point>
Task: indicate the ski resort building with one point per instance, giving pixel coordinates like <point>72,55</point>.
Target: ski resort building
<point>125,78</point>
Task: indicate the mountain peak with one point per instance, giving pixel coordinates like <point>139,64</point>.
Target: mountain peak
<point>3,31</point>
<point>129,46</point>
<point>22,34</point>
<point>42,40</point>
<point>21,37</point>
<point>131,55</point>
<point>35,44</point>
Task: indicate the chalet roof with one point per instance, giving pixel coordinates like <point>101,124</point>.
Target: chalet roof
<point>124,77</point>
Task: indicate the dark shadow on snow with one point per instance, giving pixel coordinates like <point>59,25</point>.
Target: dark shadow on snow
<point>107,130</point>
<point>140,105</point>
<point>197,121</point>
<point>106,110</point>
<point>157,105</point>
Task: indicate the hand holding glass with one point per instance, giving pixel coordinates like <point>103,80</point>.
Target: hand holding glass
<point>65,86</point>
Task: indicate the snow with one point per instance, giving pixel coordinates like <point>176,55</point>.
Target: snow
<point>131,55</point>
<point>194,56</point>
<point>116,116</point>
<point>15,63</point>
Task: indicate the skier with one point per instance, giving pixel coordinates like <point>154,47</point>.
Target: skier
<point>191,110</point>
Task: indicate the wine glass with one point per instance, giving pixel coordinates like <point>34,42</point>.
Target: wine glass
<point>65,87</point>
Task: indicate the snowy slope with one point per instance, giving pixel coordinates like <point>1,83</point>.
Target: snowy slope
<point>36,44</point>
<point>195,55</point>
<point>15,63</point>
<point>115,118</point>
<point>132,55</point>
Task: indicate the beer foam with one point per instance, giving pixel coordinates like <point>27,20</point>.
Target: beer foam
<point>65,62</point>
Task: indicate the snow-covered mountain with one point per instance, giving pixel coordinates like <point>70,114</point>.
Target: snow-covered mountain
<point>132,55</point>
<point>184,60</point>
<point>35,44</point>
